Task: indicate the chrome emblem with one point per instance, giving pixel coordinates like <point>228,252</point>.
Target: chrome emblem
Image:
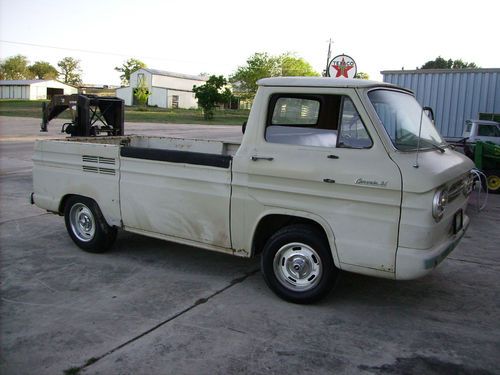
<point>361,181</point>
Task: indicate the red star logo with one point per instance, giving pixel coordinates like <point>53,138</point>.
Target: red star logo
<point>342,69</point>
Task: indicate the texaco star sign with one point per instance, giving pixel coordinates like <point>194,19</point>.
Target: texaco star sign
<point>342,66</point>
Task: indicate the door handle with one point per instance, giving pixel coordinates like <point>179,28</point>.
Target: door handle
<point>257,158</point>
<point>329,180</point>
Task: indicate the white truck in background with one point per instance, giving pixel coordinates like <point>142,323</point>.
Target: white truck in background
<point>331,175</point>
<point>477,130</point>
<point>481,130</point>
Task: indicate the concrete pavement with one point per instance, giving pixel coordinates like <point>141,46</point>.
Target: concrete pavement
<point>154,307</point>
<point>25,129</point>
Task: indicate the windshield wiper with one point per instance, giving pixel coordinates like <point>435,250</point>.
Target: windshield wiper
<point>435,146</point>
<point>426,143</point>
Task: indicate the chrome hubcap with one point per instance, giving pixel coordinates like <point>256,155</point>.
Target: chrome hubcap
<point>297,266</point>
<point>82,222</point>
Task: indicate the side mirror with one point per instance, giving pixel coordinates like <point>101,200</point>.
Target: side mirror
<point>244,127</point>
<point>429,112</point>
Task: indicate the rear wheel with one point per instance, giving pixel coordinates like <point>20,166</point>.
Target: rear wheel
<point>86,225</point>
<point>297,264</point>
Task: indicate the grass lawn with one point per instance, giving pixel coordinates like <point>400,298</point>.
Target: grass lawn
<point>27,108</point>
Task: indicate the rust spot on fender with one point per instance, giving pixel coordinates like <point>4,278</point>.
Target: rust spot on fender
<point>241,253</point>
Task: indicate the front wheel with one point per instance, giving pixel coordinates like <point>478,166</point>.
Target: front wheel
<point>86,225</point>
<point>297,264</point>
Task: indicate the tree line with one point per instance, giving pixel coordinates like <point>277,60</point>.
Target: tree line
<point>441,63</point>
<point>18,68</point>
<point>257,66</point>
<point>261,65</point>
<point>243,81</point>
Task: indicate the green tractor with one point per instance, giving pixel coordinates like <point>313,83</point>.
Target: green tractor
<point>486,155</point>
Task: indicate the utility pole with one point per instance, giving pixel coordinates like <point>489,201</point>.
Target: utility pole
<point>328,57</point>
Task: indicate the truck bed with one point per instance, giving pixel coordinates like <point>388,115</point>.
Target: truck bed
<point>140,171</point>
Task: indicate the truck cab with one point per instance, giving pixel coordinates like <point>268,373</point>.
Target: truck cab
<point>482,130</point>
<point>344,154</point>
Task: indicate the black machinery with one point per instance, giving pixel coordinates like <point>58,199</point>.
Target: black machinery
<point>91,115</point>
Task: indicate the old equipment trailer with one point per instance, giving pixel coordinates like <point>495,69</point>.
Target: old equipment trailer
<point>91,115</point>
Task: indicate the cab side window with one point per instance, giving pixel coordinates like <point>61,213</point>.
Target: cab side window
<point>313,120</point>
<point>488,131</point>
<point>353,133</point>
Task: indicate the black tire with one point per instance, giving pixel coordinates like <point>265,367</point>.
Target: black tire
<point>297,264</point>
<point>86,225</point>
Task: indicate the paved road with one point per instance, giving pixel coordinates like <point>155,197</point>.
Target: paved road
<point>153,307</point>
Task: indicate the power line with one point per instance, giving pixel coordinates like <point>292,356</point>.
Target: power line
<point>60,48</point>
<point>89,51</point>
<point>102,52</point>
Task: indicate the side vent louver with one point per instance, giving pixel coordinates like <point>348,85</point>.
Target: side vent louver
<point>98,160</point>
<point>90,159</point>
<point>103,160</point>
<point>107,171</point>
<point>86,168</point>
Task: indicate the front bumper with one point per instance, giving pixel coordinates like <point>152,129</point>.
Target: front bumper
<point>415,263</point>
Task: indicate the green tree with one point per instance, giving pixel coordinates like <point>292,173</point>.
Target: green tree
<point>15,67</point>
<point>261,65</point>
<point>128,67</point>
<point>70,71</point>
<point>213,92</point>
<point>460,64</point>
<point>290,65</point>
<point>362,75</point>
<point>142,93</point>
<point>43,70</point>
<point>441,63</point>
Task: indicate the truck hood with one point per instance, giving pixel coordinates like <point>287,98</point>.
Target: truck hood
<point>435,168</point>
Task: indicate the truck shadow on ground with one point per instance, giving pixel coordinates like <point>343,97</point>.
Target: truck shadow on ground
<point>428,292</point>
<point>163,253</point>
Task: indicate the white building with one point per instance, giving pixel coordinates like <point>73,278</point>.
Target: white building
<point>34,89</point>
<point>168,90</point>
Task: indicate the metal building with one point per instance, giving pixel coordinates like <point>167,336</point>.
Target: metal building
<point>34,89</point>
<point>168,89</point>
<point>456,95</point>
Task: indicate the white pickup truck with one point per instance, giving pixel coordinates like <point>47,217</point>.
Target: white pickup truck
<point>331,175</point>
<point>481,130</point>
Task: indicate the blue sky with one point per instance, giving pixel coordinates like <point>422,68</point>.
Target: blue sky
<point>217,36</point>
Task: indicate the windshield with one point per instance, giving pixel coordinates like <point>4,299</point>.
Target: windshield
<point>400,114</point>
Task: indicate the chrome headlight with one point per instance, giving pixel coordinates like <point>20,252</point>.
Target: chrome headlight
<point>439,203</point>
